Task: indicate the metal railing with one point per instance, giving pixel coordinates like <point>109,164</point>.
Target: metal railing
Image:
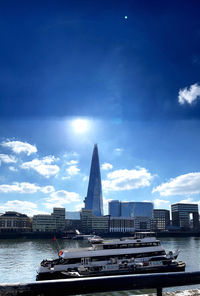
<point>79,286</point>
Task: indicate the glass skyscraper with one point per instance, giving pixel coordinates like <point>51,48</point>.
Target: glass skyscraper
<point>94,200</point>
<point>130,209</point>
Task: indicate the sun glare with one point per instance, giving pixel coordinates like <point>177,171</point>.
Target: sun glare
<point>80,125</point>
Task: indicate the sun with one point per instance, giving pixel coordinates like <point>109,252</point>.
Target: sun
<point>80,125</point>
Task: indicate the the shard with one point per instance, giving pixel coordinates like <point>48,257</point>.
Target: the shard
<point>93,200</point>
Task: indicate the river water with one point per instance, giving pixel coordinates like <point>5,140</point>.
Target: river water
<point>19,258</point>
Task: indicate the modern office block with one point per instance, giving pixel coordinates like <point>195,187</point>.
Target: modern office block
<point>185,216</point>
<point>142,223</point>
<point>94,200</point>
<point>44,223</point>
<point>114,208</point>
<point>59,215</point>
<point>161,219</point>
<point>121,224</point>
<point>72,215</point>
<point>136,209</point>
<point>94,224</point>
<point>128,224</point>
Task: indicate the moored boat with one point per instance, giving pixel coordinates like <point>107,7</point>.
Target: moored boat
<point>140,254</point>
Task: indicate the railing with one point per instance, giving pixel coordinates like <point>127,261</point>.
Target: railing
<point>79,286</point>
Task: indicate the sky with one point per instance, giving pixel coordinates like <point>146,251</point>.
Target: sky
<point>122,74</point>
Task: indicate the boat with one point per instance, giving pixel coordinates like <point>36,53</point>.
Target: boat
<point>142,253</point>
<point>80,236</point>
<point>95,239</point>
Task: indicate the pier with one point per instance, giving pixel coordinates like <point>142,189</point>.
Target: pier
<point>77,286</point>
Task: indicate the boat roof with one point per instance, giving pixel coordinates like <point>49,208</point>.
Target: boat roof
<point>85,252</point>
<point>128,241</point>
<point>114,242</point>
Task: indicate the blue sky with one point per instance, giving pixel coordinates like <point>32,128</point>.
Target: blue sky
<point>123,74</point>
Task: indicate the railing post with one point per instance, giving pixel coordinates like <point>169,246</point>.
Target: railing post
<point>159,291</point>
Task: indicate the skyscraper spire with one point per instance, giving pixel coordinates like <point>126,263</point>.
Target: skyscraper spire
<point>93,200</point>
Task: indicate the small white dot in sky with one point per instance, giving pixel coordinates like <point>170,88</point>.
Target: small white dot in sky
<point>126,17</point>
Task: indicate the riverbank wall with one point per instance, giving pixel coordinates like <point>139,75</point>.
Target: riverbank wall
<point>70,235</point>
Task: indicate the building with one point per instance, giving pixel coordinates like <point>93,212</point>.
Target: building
<point>121,224</point>
<point>59,215</point>
<point>142,223</point>
<point>185,216</point>
<point>44,223</point>
<point>130,209</point>
<point>50,223</point>
<point>128,224</point>
<point>73,224</point>
<point>94,224</point>
<point>73,221</point>
<point>72,215</point>
<point>161,219</point>
<point>114,208</point>
<point>15,222</point>
<point>94,200</point>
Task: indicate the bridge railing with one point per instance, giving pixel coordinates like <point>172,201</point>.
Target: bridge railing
<point>88,285</point>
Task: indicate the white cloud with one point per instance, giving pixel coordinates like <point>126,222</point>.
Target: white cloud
<point>188,200</point>
<point>118,150</point>
<point>60,198</point>
<point>160,202</point>
<point>42,166</point>
<point>190,94</point>
<point>127,179</point>
<point>7,158</point>
<point>72,162</point>
<point>24,187</point>
<point>70,154</point>
<point>66,178</point>
<point>73,170</point>
<point>19,147</point>
<point>106,166</point>
<point>85,178</point>
<point>23,207</point>
<point>13,169</point>
<point>47,189</point>
<point>186,184</point>
<point>79,206</point>
<point>105,204</point>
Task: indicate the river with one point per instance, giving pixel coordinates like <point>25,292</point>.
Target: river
<point>19,258</point>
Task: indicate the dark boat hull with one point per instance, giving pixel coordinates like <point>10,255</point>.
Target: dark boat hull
<point>180,266</point>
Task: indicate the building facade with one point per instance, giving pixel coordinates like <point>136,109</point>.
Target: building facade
<point>119,224</point>
<point>44,223</point>
<point>128,224</point>
<point>114,208</point>
<point>94,224</point>
<point>15,222</point>
<point>130,209</point>
<point>59,215</point>
<point>143,223</point>
<point>94,200</point>
<point>185,216</point>
<point>161,219</point>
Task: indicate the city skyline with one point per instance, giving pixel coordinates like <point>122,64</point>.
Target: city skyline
<point>122,74</point>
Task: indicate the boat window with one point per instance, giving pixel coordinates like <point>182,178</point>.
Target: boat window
<point>74,260</point>
<point>123,246</point>
<point>110,247</point>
